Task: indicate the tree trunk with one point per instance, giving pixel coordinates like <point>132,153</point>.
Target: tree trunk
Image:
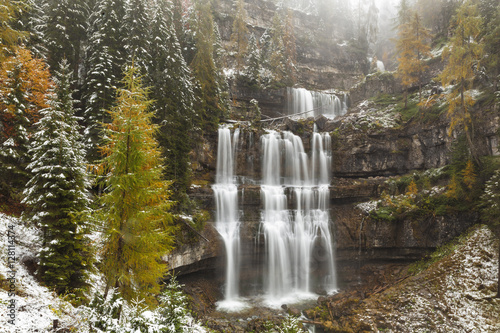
<point>472,148</point>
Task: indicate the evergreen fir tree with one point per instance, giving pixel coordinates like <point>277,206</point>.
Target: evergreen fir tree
<point>220,78</point>
<point>277,60</point>
<point>105,61</point>
<point>183,12</point>
<point>56,194</point>
<point>178,12</point>
<point>136,222</point>
<point>65,32</point>
<point>24,82</point>
<point>265,54</point>
<point>463,55</point>
<point>404,12</point>
<point>136,32</point>
<point>34,20</point>
<point>289,49</point>
<point>492,47</point>
<point>254,62</point>
<point>209,79</point>
<point>174,100</point>
<point>239,34</point>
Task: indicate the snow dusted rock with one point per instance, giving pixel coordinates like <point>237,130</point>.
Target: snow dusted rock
<point>454,294</point>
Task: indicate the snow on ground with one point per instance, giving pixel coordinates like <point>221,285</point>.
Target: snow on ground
<point>454,294</point>
<point>367,115</point>
<point>31,307</point>
<point>35,307</point>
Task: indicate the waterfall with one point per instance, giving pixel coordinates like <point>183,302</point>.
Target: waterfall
<point>380,66</point>
<point>298,241</point>
<point>297,257</point>
<point>307,103</point>
<point>227,215</point>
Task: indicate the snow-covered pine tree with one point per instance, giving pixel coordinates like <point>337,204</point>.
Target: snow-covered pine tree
<point>105,61</point>
<point>290,49</point>
<point>492,47</point>
<point>135,207</point>
<point>277,60</point>
<point>173,95</point>
<point>24,82</point>
<point>239,37</point>
<point>56,194</point>
<point>65,32</point>
<point>210,91</point>
<point>220,77</point>
<point>34,21</point>
<point>178,20</point>
<point>254,62</point>
<point>136,31</point>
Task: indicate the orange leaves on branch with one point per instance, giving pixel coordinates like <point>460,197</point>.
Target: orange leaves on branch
<point>470,177</point>
<point>24,84</point>
<point>412,189</point>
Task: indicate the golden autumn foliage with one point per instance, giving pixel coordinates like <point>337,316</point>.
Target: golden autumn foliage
<point>24,83</point>
<point>136,222</point>
<point>412,189</point>
<point>413,47</point>
<point>454,189</point>
<point>24,86</point>
<point>470,177</point>
<point>9,37</point>
<point>463,55</point>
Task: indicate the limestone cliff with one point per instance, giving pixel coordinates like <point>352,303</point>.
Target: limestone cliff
<point>325,59</point>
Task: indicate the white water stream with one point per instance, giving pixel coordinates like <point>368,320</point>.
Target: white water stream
<point>297,254</point>
<point>295,218</point>
<point>227,216</point>
<point>316,103</point>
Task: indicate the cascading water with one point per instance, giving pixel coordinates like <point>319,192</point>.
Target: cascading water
<point>305,103</point>
<point>227,215</point>
<point>298,241</point>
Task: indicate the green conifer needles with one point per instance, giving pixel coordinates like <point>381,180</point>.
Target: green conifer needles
<point>137,225</point>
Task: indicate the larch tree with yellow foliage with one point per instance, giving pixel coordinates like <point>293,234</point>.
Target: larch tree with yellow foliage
<point>413,47</point>
<point>463,55</point>
<point>137,225</point>
<point>24,84</point>
<point>10,37</point>
<point>470,177</point>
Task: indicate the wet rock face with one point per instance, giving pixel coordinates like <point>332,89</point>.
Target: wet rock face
<point>362,244</point>
<point>323,60</point>
<point>373,85</point>
<point>363,159</point>
<point>391,152</point>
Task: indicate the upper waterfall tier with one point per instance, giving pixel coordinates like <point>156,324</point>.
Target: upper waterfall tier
<point>286,163</point>
<point>225,156</point>
<point>305,103</point>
